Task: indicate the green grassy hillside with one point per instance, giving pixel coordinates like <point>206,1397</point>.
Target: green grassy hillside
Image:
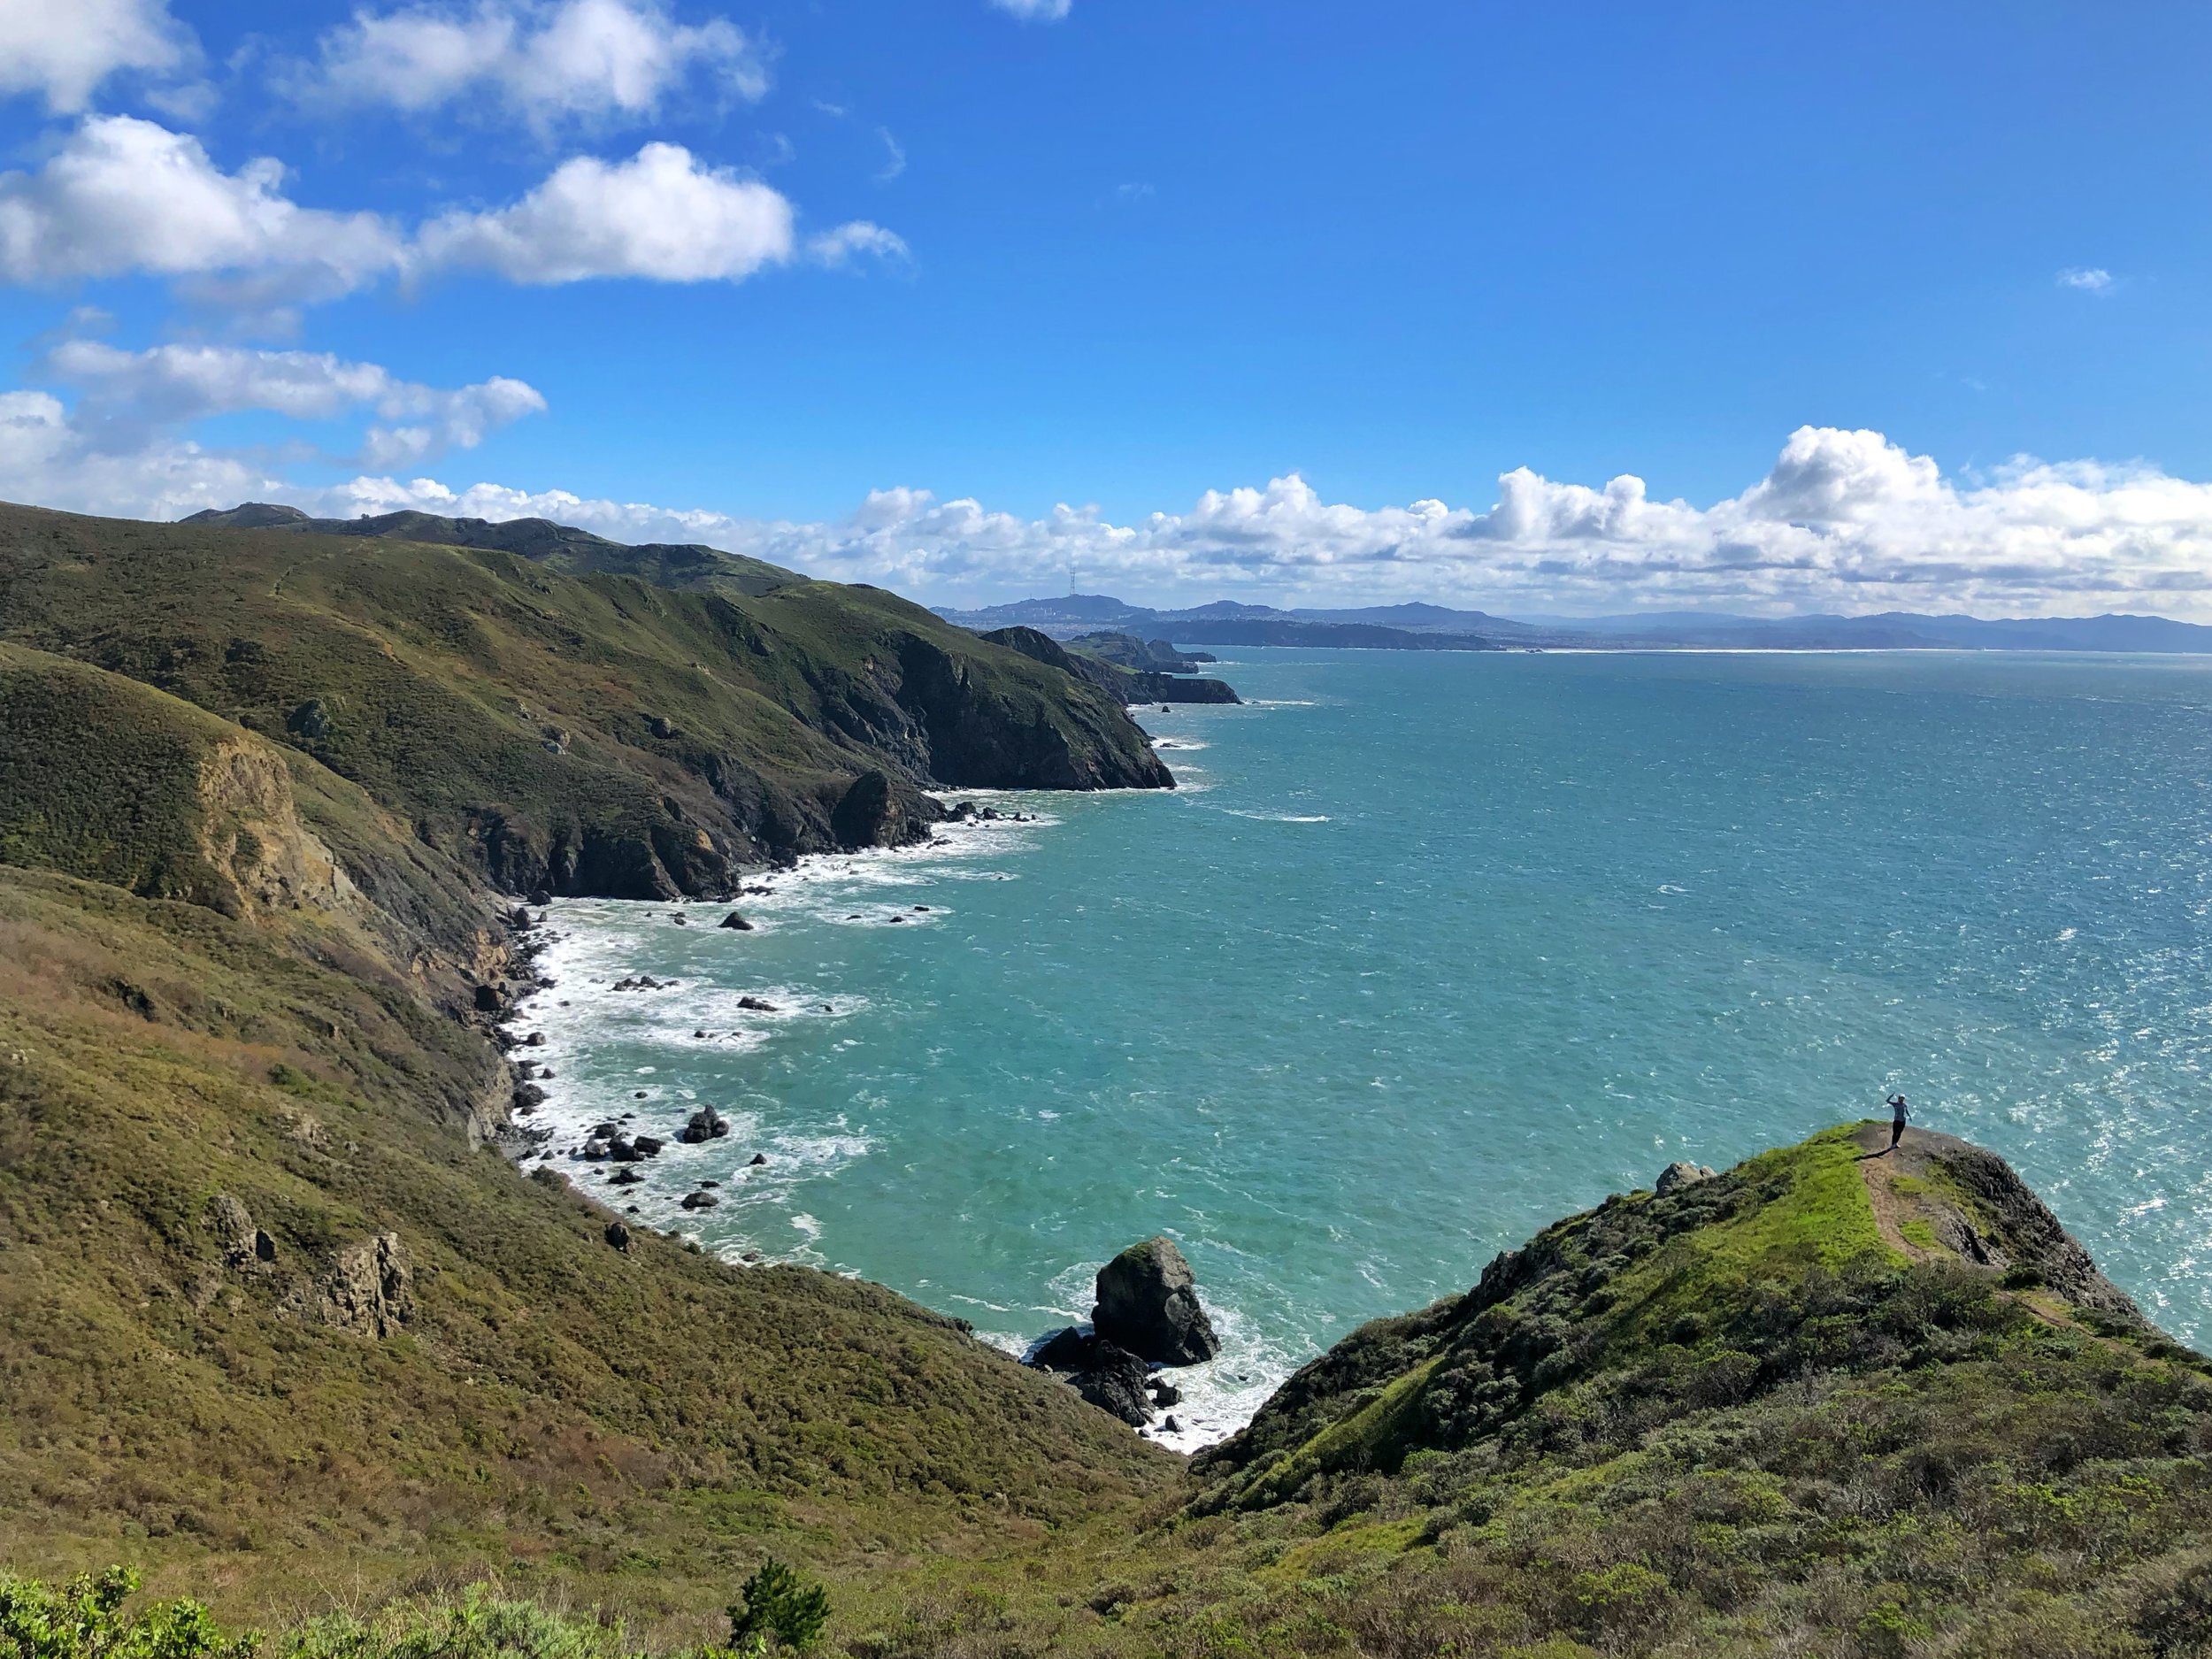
<point>592,734</point>
<point>279,1328</point>
<point>274,1317</point>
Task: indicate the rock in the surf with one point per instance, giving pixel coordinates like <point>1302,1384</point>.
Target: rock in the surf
<point>1148,1304</point>
<point>706,1123</point>
<point>735,923</point>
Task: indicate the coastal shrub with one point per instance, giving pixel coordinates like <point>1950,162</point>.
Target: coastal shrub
<point>779,1602</point>
<point>83,1618</point>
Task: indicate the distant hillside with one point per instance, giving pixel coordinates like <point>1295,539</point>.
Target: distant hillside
<point>594,733</point>
<point>1127,686</point>
<point>1414,628</point>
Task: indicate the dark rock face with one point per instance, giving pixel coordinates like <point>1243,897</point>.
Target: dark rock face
<point>735,923</point>
<point>706,1123</point>
<point>879,810</point>
<point>244,1245</point>
<point>700,1200</point>
<point>1109,1377</point>
<point>973,744</point>
<point>1148,1302</point>
<point>2025,1234</point>
<point>310,720</point>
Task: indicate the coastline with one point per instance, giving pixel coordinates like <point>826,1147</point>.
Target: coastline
<point>690,1045</point>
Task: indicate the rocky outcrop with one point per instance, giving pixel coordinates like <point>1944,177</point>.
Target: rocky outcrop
<point>1109,1376</point>
<point>705,1125</point>
<point>244,1246</point>
<point>880,811</point>
<point>1148,1304</point>
<point>369,1288</point>
<point>1678,1175</point>
<point>1078,741</point>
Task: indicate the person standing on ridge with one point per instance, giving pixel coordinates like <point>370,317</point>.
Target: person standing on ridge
<point>1896,1121</point>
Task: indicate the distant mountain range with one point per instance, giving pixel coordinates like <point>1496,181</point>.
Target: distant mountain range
<point>1425,627</point>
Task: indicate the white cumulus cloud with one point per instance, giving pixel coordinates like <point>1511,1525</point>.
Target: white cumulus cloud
<point>65,48</point>
<point>599,61</point>
<point>1843,521</point>
<point>662,214</point>
<point>123,195</point>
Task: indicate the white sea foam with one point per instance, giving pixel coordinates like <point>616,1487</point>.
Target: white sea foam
<point>1279,818</point>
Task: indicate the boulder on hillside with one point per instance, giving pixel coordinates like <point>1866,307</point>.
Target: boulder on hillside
<point>1678,1175</point>
<point>371,1288</point>
<point>1148,1304</point>
<point>244,1245</point>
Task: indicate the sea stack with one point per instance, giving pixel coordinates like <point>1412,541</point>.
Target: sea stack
<point>1148,1304</point>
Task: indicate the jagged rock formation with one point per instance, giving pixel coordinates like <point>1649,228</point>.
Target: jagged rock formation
<point>1108,1376</point>
<point>371,1288</point>
<point>880,811</point>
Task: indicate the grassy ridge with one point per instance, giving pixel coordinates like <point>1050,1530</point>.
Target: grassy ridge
<point>592,733</point>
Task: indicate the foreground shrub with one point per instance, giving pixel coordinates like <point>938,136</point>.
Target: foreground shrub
<point>83,1619</point>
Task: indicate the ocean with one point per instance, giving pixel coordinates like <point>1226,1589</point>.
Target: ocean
<point>1428,951</point>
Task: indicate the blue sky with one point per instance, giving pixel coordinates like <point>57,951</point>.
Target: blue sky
<point>1884,306</point>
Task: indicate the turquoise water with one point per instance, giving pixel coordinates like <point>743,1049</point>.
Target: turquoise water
<point>1432,949</point>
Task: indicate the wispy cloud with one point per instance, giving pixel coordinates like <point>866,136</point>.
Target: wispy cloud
<point>895,157</point>
<point>2087,278</point>
<point>1035,10</point>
